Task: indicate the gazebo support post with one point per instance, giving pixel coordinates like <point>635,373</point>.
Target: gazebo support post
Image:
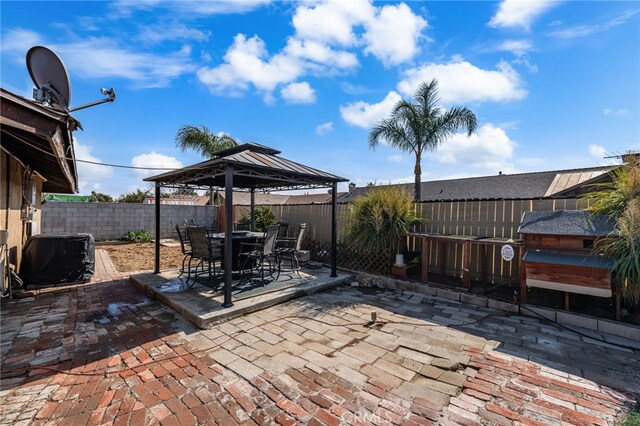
<point>253,210</point>
<point>156,267</point>
<point>228,236</point>
<point>334,229</point>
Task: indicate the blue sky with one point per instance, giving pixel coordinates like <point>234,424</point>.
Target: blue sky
<point>555,84</point>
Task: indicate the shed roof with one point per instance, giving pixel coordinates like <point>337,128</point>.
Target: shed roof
<point>521,186</point>
<point>577,223</point>
<point>567,259</point>
<point>255,166</point>
<point>40,137</point>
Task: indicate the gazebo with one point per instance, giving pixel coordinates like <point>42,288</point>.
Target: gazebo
<point>249,167</point>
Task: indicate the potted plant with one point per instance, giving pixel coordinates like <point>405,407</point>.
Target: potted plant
<point>381,218</point>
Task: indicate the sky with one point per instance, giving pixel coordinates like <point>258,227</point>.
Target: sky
<point>554,84</point>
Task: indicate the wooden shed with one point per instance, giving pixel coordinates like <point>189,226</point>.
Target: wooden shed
<point>558,254</point>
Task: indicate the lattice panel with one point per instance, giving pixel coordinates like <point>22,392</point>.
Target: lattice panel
<point>351,256</point>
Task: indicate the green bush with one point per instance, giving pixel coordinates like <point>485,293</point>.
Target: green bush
<point>620,200</point>
<point>380,218</point>
<point>264,218</point>
<point>138,236</point>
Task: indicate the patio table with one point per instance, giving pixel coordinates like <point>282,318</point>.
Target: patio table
<point>238,237</point>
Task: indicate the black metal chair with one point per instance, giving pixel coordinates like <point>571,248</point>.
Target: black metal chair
<point>203,250</point>
<point>185,246</point>
<point>284,228</point>
<point>259,254</point>
<point>287,249</point>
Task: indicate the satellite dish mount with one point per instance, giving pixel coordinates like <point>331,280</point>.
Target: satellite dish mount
<point>53,87</point>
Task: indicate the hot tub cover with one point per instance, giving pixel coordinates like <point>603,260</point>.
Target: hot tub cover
<point>58,259</point>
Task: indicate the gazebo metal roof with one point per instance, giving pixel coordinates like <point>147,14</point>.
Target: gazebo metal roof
<point>255,167</point>
<point>249,166</point>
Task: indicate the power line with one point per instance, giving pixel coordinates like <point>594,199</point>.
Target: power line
<point>168,169</point>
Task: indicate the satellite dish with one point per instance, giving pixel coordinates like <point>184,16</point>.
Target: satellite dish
<point>53,87</point>
<point>50,77</point>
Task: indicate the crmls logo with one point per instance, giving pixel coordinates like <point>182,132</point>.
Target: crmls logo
<point>361,416</point>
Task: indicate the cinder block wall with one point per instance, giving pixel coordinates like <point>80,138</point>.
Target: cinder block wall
<point>112,220</point>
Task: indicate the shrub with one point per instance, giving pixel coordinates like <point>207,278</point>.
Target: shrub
<point>138,236</point>
<point>264,218</point>
<point>620,200</point>
<point>625,251</point>
<point>380,218</point>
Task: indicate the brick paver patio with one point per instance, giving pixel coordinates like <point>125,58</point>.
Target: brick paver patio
<point>102,353</point>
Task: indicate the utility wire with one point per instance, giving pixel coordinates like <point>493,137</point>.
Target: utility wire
<point>168,169</point>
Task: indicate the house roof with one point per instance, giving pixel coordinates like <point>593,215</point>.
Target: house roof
<point>40,137</point>
<point>577,223</point>
<point>521,186</point>
<point>244,198</point>
<point>255,166</point>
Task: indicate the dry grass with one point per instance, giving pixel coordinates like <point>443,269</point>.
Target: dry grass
<point>140,256</point>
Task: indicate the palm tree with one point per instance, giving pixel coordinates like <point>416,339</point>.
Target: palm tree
<point>422,126</point>
<point>203,140</point>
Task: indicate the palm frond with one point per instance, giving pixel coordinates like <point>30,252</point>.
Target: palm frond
<point>201,139</point>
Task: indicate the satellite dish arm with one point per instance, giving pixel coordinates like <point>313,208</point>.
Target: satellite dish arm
<point>111,97</point>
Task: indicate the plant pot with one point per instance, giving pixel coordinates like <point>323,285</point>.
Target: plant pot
<point>399,260</point>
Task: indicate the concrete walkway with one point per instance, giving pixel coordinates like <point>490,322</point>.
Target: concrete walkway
<point>103,353</point>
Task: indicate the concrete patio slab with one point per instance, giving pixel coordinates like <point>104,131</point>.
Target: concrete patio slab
<point>202,305</point>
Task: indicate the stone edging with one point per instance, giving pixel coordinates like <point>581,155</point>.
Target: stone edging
<point>615,328</point>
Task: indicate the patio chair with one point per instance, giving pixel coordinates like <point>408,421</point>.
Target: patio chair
<point>241,226</point>
<point>185,246</point>
<point>288,248</point>
<point>284,228</point>
<point>203,250</point>
<point>259,254</point>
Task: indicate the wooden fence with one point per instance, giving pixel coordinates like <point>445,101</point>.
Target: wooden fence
<point>488,219</point>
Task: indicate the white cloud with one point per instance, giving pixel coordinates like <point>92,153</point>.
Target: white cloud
<point>90,176</point>
<point>126,7</point>
<point>489,150</point>
<point>174,31</point>
<point>18,41</point>
<point>532,68</point>
<point>517,47</point>
<point>298,93</point>
<point>332,22</point>
<point>520,13</point>
<point>324,128</point>
<point>391,32</point>
<point>461,81</point>
<point>597,151</point>
<point>393,35</point>
<point>101,57</point>
<point>154,160</point>
<point>320,54</point>
<point>609,111</point>
<point>365,115</point>
<point>585,30</point>
<point>247,62</point>
<point>396,158</point>
<point>323,33</point>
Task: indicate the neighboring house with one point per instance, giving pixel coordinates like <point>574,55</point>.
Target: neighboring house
<point>268,199</point>
<point>37,156</point>
<point>68,198</point>
<point>242,198</point>
<point>521,186</point>
<point>179,200</point>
